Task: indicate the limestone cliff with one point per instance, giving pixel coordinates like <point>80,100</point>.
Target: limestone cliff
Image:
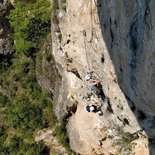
<point>110,44</point>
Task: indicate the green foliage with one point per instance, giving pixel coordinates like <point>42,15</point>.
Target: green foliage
<point>126,141</point>
<point>3,100</point>
<point>25,117</point>
<point>63,4</point>
<point>1,10</point>
<point>61,134</point>
<point>49,57</point>
<point>2,134</point>
<point>127,138</point>
<point>30,21</point>
<point>17,146</point>
<point>5,62</point>
<point>55,6</point>
<point>27,108</point>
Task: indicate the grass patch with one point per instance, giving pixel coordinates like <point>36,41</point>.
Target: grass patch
<point>126,141</point>
<point>62,136</point>
<point>63,5</point>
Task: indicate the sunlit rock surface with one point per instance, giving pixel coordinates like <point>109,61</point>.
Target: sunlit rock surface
<point>109,43</point>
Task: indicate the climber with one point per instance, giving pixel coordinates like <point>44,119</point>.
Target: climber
<point>88,76</point>
<point>91,108</point>
<point>96,87</point>
<point>100,113</point>
<point>88,108</point>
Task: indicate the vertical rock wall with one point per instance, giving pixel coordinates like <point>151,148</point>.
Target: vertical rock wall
<point>128,34</point>
<point>110,42</point>
<point>127,28</point>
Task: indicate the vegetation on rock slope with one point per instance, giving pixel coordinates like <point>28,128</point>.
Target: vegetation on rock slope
<point>25,107</point>
<point>23,104</point>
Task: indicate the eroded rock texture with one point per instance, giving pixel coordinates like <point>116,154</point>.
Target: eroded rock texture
<point>129,38</point>
<point>109,43</point>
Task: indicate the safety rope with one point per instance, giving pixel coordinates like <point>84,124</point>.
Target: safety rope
<point>86,52</point>
<point>92,18</point>
<point>91,22</point>
<point>93,32</point>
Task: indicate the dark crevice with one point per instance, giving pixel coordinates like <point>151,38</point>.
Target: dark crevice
<point>111,32</point>
<point>121,70</point>
<point>97,89</point>
<point>147,11</point>
<point>125,120</point>
<point>115,23</point>
<point>112,36</point>
<point>71,110</point>
<point>68,41</point>
<point>131,103</point>
<point>141,115</point>
<point>78,75</point>
<point>102,58</point>
<point>5,61</point>
<point>109,108</point>
<point>105,26</point>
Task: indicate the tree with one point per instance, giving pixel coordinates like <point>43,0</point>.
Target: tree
<point>25,117</point>
<point>30,21</point>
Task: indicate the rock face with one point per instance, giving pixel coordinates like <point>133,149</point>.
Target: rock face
<point>105,52</point>
<point>128,34</point>
<point>46,135</point>
<point>5,30</point>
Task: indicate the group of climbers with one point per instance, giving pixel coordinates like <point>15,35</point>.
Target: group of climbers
<point>94,108</point>
<point>95,87</point>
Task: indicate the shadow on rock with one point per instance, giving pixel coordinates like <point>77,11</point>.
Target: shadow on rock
<point>127,30</point>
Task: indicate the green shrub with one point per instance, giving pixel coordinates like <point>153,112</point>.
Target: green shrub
<point>34,22</point>
<point>55,5</point>
<point>25,117</point>
<point>48,57</point>
<point>63,4</point>
<point>62,136</point>
<point>18,147</point>
<point>127,138</point>
<point>3,100</point>
<point>3,134</point>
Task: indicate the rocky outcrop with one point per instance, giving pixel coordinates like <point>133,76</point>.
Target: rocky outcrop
<point>46,135</point>
<point>105,53</point>
<point>5,30</point>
